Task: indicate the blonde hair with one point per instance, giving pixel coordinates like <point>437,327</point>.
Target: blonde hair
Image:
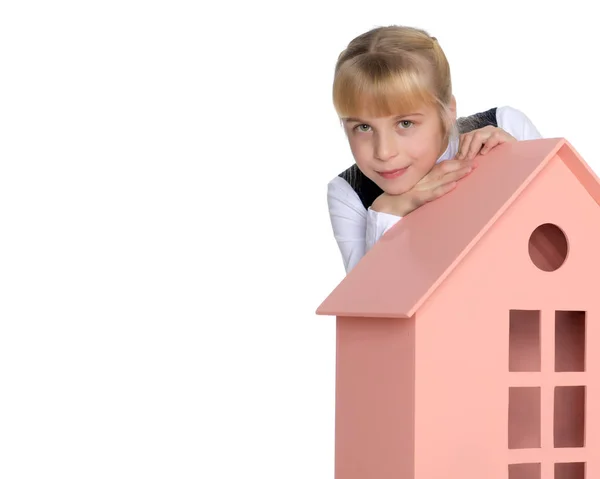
<point>392,70</point>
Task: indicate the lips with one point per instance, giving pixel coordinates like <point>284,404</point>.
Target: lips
<point>390,174</point>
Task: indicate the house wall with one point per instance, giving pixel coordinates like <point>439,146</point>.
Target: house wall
<point>374,398</point>
<point>463,338</point>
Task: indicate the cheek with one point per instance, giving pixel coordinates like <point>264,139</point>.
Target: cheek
<point>417,151</point>
<point>361,150</point>
<point>424,153</point>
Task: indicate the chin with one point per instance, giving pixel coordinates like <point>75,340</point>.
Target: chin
<point>396,188</point>
<point>395,191</point>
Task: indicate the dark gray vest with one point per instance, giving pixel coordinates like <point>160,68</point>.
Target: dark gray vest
<point>368,191</point>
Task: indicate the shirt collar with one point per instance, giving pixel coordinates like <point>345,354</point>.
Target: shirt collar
<point>451,149</point>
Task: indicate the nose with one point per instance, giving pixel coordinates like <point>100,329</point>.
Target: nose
<point>385,147</point>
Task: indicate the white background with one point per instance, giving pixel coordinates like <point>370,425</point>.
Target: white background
<point>164,235</point>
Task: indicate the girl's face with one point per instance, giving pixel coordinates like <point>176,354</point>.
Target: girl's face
<point>396,152</point>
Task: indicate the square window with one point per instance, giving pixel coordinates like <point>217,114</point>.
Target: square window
<point>570,341</point>
<point>569,470</point>
<point>569,416</point>
<point>524,417</point>
<point>525,471</point>
<point>524,341</point>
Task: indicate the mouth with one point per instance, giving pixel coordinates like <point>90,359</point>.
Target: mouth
<point>390,174</point>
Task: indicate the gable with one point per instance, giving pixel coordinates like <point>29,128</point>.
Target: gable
<point>503,270</point>
<point>410,261</point>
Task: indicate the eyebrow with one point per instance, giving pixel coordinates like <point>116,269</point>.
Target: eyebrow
<point>358,120</point>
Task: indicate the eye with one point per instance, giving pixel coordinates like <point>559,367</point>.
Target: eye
<point>406,124</point>
<point>358,127</point>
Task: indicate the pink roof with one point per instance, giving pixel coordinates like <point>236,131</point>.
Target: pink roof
<point>413,258</point>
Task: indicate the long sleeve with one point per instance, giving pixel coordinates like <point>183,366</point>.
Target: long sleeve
<point>355,229</point>
<point>377,225</point>
<point>516,123</point>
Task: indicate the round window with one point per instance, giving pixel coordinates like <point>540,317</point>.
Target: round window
<point>548,247</point>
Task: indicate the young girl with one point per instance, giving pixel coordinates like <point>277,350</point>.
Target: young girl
<point>393,93</point>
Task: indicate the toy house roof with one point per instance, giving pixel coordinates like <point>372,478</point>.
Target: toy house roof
<point>418,253</point>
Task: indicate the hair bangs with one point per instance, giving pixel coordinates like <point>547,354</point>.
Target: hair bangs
<point>375,86</point>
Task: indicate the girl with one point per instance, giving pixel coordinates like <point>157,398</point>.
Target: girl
<point>393,94</point>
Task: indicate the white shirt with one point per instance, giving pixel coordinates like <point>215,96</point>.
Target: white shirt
<point>357,229</point>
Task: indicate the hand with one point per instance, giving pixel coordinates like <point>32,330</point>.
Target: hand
<point>441,179</point>
<point>481,141</point>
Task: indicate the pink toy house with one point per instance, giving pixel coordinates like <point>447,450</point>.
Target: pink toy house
<point>468,338</point>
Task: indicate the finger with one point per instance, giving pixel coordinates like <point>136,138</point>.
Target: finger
<point>457,175</point>
<point>437,175</point>
<point>425,196</point>
<point>450,178</point>
<point>422,197</point>
<point>476,143</point>
<point>463,148</point>
<point>425,190</point>
<point>448,166</point>
<point>492,142</point>
<point>442,190</point>
<point>438,171</point>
